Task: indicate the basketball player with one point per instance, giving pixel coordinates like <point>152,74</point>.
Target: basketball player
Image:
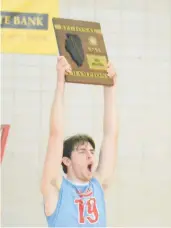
<point>77,198</point>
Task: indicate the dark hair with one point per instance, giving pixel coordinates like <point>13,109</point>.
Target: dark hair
<point>70,143</point>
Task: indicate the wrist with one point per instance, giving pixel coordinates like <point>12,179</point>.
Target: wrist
<point>60,86</point>
<point>109,92</point>
<point>60,76</point>
<point>60,83</point>
<point>109,88</point>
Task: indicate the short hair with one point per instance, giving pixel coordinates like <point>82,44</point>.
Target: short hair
<point>73,141</point>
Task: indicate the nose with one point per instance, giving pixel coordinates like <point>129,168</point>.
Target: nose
<point>89,154</point>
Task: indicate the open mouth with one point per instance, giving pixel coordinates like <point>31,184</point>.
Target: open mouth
<point>89,167</point>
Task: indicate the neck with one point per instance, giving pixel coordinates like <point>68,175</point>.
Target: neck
<point>76,180</point>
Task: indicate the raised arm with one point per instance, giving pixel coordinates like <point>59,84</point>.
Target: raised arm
<point>52,177</point>
<point>108,152</point>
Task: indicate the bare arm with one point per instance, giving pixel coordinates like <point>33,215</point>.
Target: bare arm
<point>110,132</point>
<point>51,173</point>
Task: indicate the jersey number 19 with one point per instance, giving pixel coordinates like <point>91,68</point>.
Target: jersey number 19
<point>92,212</point>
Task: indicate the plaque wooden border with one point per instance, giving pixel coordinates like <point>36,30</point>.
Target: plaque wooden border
<point>93,69</point>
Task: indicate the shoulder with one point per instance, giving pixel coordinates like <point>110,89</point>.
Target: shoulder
<point>63,183</point>
<point>97,181</point>
<point>97,178</point>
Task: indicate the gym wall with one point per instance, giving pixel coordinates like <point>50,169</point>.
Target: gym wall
<point>138,40</point>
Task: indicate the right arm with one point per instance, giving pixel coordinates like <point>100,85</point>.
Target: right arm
<point>52,178</point>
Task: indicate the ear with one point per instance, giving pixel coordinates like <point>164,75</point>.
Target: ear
<point>66,161</point>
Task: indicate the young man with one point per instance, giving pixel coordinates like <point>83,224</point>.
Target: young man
<point>77,200</point>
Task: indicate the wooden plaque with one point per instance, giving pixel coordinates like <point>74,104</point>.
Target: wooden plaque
<point>82,44</point>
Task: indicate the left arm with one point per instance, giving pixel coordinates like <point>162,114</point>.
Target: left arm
<point>108,152</point>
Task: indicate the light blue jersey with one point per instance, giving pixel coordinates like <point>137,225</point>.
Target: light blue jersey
<point>79,206</point>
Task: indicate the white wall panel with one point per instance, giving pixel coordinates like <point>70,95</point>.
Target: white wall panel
<point>138,40</point>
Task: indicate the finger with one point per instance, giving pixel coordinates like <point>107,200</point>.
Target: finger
<point>60,58</point>
<point>108,71</point>
<point>109,64</point>
<point>68,70</point>
<point>110,76</point>
<point>111,73</point>
<point>68,67</point>
<point>64,63</point>
<point>60,61</point>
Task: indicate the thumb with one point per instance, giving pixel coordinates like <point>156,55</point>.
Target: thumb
<point>59,58</point>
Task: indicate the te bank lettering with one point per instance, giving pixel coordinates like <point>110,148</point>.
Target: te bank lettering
<point>17,20</point>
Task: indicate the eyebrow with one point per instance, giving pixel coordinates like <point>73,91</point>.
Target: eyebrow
<point>85,149</point>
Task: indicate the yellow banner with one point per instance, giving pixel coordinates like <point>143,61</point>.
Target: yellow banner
<point>26,26</point>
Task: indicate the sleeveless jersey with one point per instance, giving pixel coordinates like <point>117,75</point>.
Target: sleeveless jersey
<point>79,206</point>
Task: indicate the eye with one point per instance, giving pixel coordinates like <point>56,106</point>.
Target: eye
<point>82,151</point>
